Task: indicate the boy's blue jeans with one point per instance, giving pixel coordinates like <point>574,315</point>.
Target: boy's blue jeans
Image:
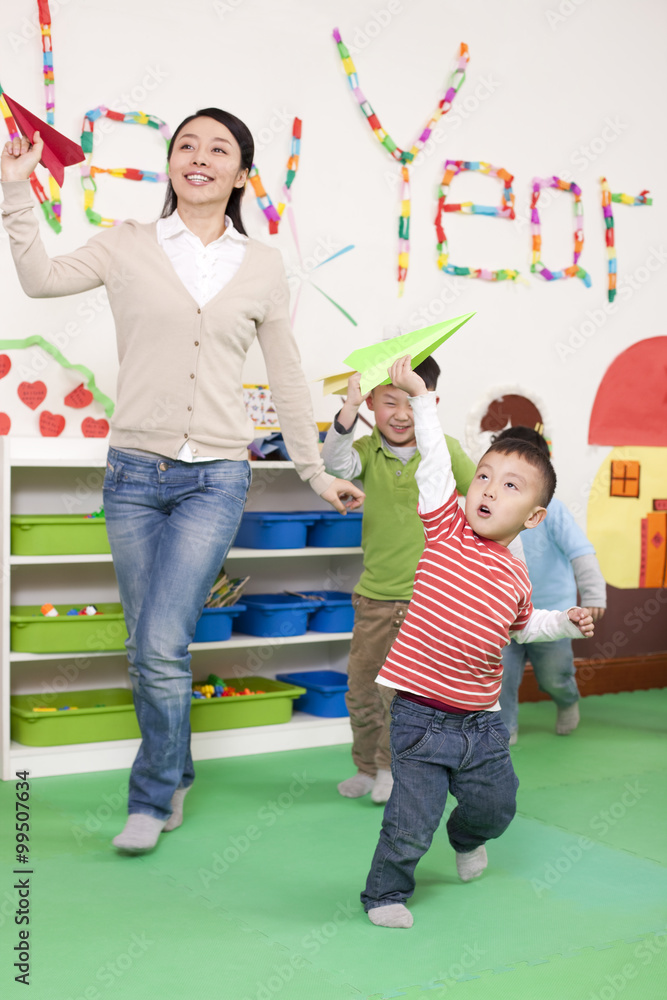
<point>553,664</point>
<point>433,753</point>
<point>170,525</point>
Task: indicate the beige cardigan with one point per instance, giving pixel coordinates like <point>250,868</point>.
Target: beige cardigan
<point>191,359</point>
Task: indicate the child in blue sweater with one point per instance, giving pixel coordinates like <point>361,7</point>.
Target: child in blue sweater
<point>560,561</point>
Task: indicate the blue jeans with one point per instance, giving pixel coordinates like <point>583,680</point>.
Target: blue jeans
<point>170,525</point>
<point>432,753</point>
<point>553,664</point>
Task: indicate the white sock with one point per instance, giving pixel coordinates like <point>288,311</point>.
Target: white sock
<point>567,719</point>
<point>141,833</point>
<point>382,786</point>
<point>176,817</point>
<point>472,864</point>
<point>514,736</point>
<point>356,786</point>
<point>394,915</point>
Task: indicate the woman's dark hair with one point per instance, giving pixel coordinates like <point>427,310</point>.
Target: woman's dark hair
<point>241,133</point>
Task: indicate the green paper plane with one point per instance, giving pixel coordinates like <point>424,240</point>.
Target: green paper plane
<point>374,361</point>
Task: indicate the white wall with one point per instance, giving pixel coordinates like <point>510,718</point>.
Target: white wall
<point>549,76</point>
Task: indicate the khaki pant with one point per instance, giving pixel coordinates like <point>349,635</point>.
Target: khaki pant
<point>376,625</point>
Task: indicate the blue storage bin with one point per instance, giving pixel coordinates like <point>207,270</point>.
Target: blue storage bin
<point>272,615</point>
<point>334,613</point>
<point>332,529</point>
<point>325,692</point>
<point>215,624</point>
<point>273,530</point>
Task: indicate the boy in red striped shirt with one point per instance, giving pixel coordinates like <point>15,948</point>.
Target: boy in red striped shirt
<point>470,597</point>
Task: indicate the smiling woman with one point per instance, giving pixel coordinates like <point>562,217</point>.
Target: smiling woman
<point>196,292</point>
<point>209,158</point>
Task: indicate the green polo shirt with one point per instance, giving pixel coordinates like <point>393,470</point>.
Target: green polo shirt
<point>392,534</point>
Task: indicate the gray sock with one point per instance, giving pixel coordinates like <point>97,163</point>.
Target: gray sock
<point>514,736</point>
<point>356,786</point>
<point>141,833</point>
<point>394,915</point>
<point>472,864</point>
<point>176,817</point>
<point>382,786</point>
<point>567,719</point>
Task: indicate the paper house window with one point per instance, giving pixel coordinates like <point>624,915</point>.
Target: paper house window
<point>624,479</point>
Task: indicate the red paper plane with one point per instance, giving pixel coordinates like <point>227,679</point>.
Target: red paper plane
<point>59,151</point>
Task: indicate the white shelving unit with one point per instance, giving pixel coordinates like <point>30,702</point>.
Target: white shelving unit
<point>39,476</point>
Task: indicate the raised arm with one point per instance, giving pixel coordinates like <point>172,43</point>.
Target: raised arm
<point>40,275</point>
<point>338,455</point>
<point>434,473</point>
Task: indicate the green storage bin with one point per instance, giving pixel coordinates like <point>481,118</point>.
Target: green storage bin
<point>58,535</point>
<point>108,714</point>
<point>32,632</point>
<point>267,709</point>
<point>116,720</point>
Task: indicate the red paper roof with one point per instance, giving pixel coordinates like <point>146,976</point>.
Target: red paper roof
<point>630,407</point>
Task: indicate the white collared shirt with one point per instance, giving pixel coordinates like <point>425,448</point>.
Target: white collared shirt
<point>204,270</point>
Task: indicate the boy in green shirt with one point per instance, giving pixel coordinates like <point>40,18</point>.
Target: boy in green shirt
<point>392,541</point>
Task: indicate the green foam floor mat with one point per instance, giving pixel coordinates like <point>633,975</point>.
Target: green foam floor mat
<point>256,896</point>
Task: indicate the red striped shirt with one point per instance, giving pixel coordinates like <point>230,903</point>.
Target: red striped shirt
<point>469,594</point>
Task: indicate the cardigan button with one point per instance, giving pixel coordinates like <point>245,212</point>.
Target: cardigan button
<point>196,343</point>
<point>192,374</point>
<point>185,435</point>
<point>199,311</point>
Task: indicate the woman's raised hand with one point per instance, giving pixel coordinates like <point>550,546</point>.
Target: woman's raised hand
<point>20,157</point>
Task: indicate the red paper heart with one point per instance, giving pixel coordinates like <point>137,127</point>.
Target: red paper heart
<point>32,393</point>
<point>94,428</point>
<point>5,423</point>
<point>51,424</point>
<point>5,364</point>
<point>79,397</point>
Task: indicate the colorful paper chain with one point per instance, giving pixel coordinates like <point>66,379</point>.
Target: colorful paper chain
<point>505,211</point>
<point>48,206</point>
<point>88,172</point>
<point>44,14</point>
<point>404,157</point>
<point>537,267</point>
<point>273,214</point>
<point>47,58</point>
<point>622,199</point>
